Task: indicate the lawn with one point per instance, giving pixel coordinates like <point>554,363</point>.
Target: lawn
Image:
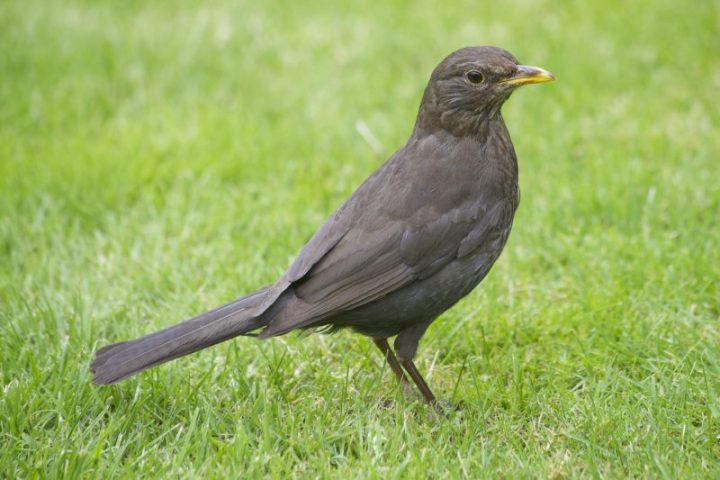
<point>159,159</point>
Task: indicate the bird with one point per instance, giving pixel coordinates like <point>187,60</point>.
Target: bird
<point>414,238</point>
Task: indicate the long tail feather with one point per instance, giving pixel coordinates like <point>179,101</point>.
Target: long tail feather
<point>121,360</point>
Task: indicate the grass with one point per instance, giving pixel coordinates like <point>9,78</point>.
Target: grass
<point>159,159</point>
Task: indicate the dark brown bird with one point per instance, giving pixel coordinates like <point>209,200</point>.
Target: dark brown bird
<point>415,237</point>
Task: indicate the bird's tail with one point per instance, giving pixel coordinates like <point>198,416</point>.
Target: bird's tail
<point>121,360</point>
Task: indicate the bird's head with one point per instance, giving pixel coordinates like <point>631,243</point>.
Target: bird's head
<point>471,84</point>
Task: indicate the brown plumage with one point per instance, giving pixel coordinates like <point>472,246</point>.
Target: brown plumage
<point>416,236</point>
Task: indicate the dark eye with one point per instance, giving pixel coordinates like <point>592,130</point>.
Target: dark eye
<point>474,76</point>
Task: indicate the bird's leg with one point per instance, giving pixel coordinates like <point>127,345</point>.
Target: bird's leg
<point>419,381</point>
<point>382,344</point>
<point>406,345</point>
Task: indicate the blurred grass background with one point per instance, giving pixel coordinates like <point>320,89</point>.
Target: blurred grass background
<point>158,159</point>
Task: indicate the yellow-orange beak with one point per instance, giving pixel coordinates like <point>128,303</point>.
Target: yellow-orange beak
<point>526,74</point>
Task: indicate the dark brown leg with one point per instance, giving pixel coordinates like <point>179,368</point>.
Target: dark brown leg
<point>419,381</point>
<point>382,344</point>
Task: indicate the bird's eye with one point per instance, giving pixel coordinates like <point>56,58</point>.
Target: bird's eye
<point>474,76</point>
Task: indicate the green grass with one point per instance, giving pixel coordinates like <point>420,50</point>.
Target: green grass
<point>158,159</point>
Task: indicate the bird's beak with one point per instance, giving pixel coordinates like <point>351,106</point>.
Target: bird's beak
<point>526,74</point>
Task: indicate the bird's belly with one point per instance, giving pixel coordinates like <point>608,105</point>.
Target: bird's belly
<point>423,300</point>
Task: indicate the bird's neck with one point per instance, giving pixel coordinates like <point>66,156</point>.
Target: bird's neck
<point>460,124</point>
<point>457,120</point>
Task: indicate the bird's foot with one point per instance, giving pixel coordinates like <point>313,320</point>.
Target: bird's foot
<point>444,407</point>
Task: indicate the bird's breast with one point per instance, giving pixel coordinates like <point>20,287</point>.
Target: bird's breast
<point>442,174</point>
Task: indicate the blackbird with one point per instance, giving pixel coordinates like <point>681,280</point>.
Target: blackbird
<point>417,236</point>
